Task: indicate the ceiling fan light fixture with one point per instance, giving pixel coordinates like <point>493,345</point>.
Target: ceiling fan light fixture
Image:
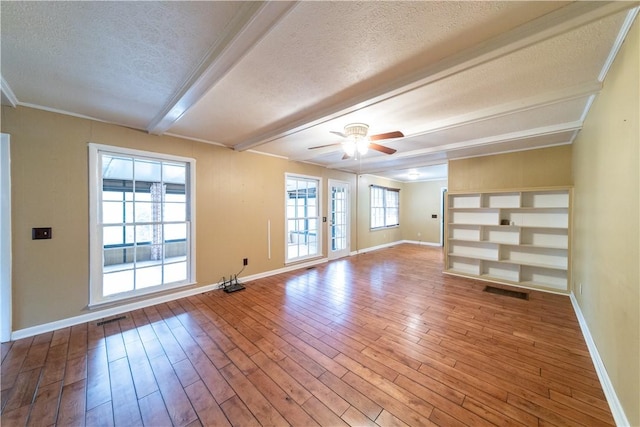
<point>362,145</point>
<point>356,130</point>
<point>349,147</point>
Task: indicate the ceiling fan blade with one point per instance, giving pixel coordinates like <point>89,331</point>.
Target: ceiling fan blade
<point>338,133</point>
<point>324,146</point>
<point>381,148</point>
<point>388,135</point>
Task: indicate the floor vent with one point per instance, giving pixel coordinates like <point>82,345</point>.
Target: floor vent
<point>507,293</point>
<point>115,319</point>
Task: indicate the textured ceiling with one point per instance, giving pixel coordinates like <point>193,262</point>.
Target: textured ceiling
<point>457,78</point>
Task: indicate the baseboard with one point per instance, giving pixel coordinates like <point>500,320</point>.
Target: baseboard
<point>124,308</point>
<point>419,242</point>
<point>612,398</point>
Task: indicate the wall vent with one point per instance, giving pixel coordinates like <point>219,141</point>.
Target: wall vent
<point>507,293</point>
<point>115,319</point>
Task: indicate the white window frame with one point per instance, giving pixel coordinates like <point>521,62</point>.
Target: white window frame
<point>384,207</point>
<point>96,297</point>
<point>318,218</point>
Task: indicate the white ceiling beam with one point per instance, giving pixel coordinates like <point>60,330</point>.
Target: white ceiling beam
<point>553,24</point>
<point>493,112</point>
<point>512,136</point>
<point>8,97</point>
<point>248,27</point>
<point>513,107</point>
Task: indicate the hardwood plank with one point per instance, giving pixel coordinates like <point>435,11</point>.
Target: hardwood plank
<point>153,410</point>
<point>175,399</point>
<point>212,378</point>
<point>15,417</point>
<point>280,399</point>
<point>353,417</point>
<point>207,409</point>
<point>72,404</point>
<point>36,356</point>
<point>143,379</point>
<point>323,415</point>
<point>12,364</point>
<point>55,365</point>
<point>238,413</point>
<point>100,416</point>
<point>4,349</point>
<point>76,370</point>
<point>386,419</point>
<point>98,378</point>
<point>114,341</point>
<point>293,388</point>
<point>259,406</point>
<point>44,410</point>
<point>78,341</point>
<point>23,391</point>
<point>125,403</point>
<point>353,397</point>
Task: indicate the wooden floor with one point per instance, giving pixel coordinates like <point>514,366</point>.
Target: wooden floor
<point>375,339</point>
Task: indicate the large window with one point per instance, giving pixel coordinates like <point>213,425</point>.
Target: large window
<point>141,223</point>
<point>303,217</point>
<point>385,207</point>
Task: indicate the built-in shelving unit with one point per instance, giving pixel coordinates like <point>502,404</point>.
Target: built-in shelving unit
<point>516,237</point>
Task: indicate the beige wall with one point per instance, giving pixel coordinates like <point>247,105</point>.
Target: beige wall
<point>546,167</point>
<point>606,170</point>
<point>421,200</point>
<point>236,193</point>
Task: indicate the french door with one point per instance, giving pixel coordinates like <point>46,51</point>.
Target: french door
<point>338,235</point>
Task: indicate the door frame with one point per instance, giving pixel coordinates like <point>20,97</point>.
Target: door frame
<point>443,200</point>
<point>346,251</point>
<point>5,239</point>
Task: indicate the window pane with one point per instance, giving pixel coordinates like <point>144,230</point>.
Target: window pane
<point>117,282</point>
<point>118,258</point>
<point>175,198</point>
<point>175,250</point>
<point>176,272</point>
<point>142,193</point>
<point>112,212</point>
<point>175,232</point>
<point>115,167</point>
<point>144,212</point>
<point>144,234</point>
<point>175,212</point>
<point>173,173</point>
<point>113,195</point>
<point>113,235</point>
<point>149,276</point>
<point>148,170</point>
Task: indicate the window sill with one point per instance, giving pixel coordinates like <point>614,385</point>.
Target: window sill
<point>132,298</point>
<point>384,228</point>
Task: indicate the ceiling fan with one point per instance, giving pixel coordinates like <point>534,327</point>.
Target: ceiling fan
<point>356,140</point>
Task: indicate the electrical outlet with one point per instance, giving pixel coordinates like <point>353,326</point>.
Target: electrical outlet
<point>419,234</point>
<point>245,261</point>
